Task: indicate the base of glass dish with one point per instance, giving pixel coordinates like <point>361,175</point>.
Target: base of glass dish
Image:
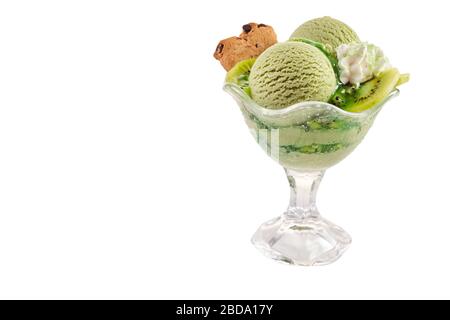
<point>305,241</point>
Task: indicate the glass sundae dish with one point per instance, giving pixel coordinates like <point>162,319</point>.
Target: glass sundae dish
<point>306,139</point>
<point>309,104</point>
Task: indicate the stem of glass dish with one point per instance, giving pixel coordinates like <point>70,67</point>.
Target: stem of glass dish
<point>304,187</point>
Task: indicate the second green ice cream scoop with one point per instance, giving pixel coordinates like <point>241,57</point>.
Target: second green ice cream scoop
<point>328,31</point>
<point>290,73</point>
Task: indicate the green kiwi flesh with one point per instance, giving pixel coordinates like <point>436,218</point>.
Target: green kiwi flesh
<point>239,74</point>
<point>404,78</point>
<point>368,95</point>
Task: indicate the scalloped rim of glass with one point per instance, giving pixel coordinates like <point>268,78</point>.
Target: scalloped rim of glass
<point>233,89</point>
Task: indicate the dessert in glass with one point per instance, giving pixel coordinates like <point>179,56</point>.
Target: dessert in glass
<point>308,102</point>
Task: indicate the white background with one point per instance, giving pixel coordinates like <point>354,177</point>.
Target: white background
<point>126,171</point>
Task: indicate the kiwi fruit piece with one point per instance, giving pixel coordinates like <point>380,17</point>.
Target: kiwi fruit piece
<point>239,74</point>
<point>368,95</point>
<point>404,78</point>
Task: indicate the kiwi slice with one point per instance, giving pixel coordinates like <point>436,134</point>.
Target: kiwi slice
<point>368,95</point>
<point>239,74</point>
<point>404,78</point>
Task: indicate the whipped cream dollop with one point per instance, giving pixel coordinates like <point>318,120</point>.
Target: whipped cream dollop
<point>360,62</point>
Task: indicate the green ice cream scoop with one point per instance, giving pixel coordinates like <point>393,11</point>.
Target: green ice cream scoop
<point>289,73</point>
<point>326,30</point>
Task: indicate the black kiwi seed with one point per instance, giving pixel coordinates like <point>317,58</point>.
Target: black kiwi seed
<point>247,28</point>
<point>372,91</point>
